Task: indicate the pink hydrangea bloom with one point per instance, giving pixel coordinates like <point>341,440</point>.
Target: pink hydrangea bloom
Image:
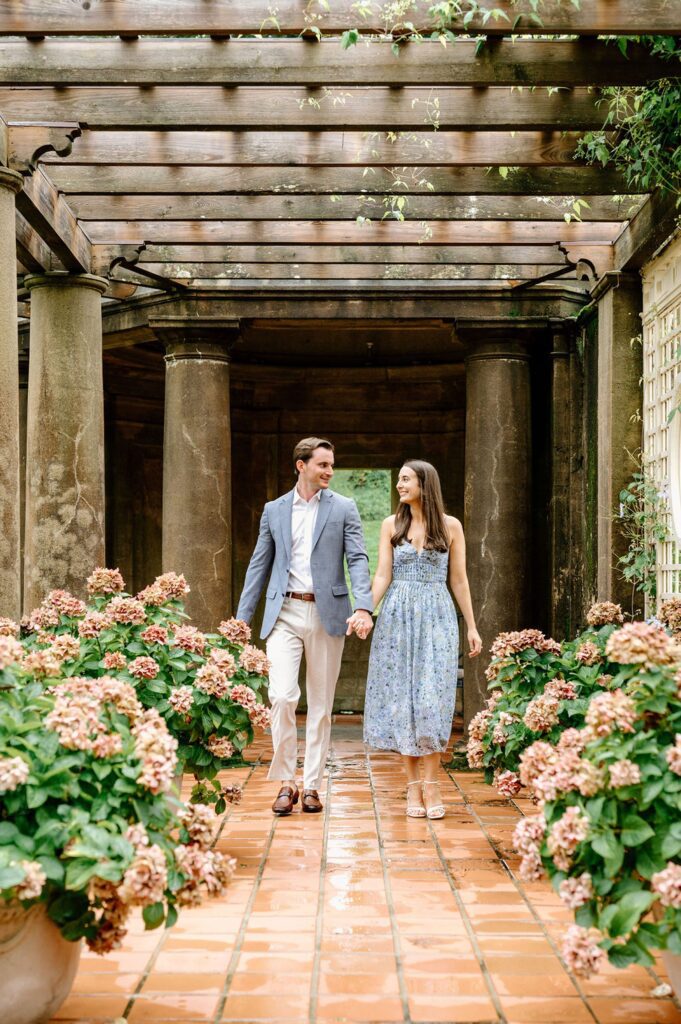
<point>212,680</point>
<point>13,773</point>
<point>65,603</point>
<point>114,660</point>
<point>252,659</point>
<point>34,880</point>
<point>189,638</point>
<point>561,689</point>
<point>236,631</point>
<point>8,627</point>
<point>641,643</point>
<point>588,653</point>
<point>66,647</point>
<point>624,773</point>
<point>673,755</point>
<point>667,884</point>
<point>565,836</point>
<point>477,727</point>
<point>608,711</point>
<point>575,892</point>
<point>93,624</point>
<point>531,868</point>
<point>529,833</point>
<point>146,879</point>
<point>154,634</point>
<point>580,951</point>
<point>11,651</point>
<point>603,613</point>
<point>474,752</point>
<point>105,581</point>
<point>224,661</point>
<point>143,668</point>
<point>508,783</point>
<point>126,610</point>
<point>513,643</point>
<point>181,699</point>
<point>541,714</point>
<point>260,716</point>
<point>220,746</point>
<point>157,750</point>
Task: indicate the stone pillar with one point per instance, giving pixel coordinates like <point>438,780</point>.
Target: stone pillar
<point>23,420</point>
<point>620,367</point>
<point>561,473</point>
<point>65,435</point>
<point>10,539</point>
<point>197,462</point>
<point>497,490</point>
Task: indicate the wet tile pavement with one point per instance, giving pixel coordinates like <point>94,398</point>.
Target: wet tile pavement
<point>361,914</point>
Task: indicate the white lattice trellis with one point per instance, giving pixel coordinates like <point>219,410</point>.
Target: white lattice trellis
<point>662,393</point>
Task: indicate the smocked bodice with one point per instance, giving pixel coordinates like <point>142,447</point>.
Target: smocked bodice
<point>411,566</point>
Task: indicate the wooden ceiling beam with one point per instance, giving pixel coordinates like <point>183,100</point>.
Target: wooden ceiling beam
<point>345,208</point>
<point>50,216</point>
<point>221,255</point>
<point>207,274</point>
<point>347,233</point>
<point>303,148</point>
<point>654,223</point>
<point>32,252</point>
<point>101,179</point>
<point>235,17</point>
<point>172,108</point>
<point>296,62</point>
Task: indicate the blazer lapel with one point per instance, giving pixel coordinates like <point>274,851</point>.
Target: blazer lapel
<point>322,515</point>
<point>285,508</point>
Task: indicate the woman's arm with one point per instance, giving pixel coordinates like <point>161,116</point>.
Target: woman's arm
<point>458,582</point>
<point>384,570</point>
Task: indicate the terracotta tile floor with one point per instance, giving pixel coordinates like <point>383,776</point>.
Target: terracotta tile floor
<point>361,914</point>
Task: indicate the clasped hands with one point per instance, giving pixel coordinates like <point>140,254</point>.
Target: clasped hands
<point>361,623</point>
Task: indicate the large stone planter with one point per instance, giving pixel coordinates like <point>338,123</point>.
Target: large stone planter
<point>37,965</point>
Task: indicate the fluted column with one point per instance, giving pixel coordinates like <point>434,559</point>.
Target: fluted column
<point>497,488</point>
<point>64,530</point>
<point>10,539</point>
<point>197,463</point>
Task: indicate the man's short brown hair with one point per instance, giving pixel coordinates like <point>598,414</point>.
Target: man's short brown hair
<point>304,449</point>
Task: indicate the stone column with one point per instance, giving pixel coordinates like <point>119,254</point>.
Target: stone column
<point>497,489</point>
<point>197,462</point>
<point>620,367</point>
<point>559,509</point>
<point>65,435</point>
<point>23,419</point>
<point>10,539</point>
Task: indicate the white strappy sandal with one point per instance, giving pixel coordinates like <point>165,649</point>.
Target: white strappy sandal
<point>414,811</point>
<point>435,810</point>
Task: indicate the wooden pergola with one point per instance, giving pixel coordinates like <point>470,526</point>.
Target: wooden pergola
<point>215,165</point>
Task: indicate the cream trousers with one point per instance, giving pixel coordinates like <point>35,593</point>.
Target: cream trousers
<point>299,629</point>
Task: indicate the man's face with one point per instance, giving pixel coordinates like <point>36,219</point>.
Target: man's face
<point>317,472</point>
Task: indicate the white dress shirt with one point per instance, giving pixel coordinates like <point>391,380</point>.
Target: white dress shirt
<point>303,519</point>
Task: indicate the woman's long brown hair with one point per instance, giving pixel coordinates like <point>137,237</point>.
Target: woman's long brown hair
<point>432,504</point>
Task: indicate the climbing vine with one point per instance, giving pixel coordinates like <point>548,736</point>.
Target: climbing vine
<point>642,519</point>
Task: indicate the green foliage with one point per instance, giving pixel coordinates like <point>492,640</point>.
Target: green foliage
<point>643,525</point>
<point>370,489</point>
<point>641,134</point>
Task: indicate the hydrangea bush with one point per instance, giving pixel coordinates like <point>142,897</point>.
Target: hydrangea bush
<point>540,689</point>
<point>86,826</point>
<point>608,831</point>
<point>206,687</point>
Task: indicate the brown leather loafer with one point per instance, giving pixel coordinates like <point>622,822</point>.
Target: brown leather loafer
<point>311,802</point>
<point>287,797</point>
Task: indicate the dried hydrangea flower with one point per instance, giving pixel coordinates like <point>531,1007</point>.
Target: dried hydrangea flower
<point>608,711</point>
<point>667,884</point>
<point>146,879</point>
<point>565,836</point>
<point>212,680</point>
<point>13,773</point>
<point>32,885</point>
<point>236,631</point>
<point>541,714</point>
<point>603,613</point>
<point>114,660</point>
<point>154,634</point>
<point>624,773</point>
<point>520,640</point>
<point>252,659</point>
<point>588,653</point>
<point>93,624</point>
<point>8,627</point>
<point>220,746</point>
<point>105,581</point>
<point>11,651</point>
<point>580,951</point>
<point>66,647</point>
<point>189,638</point>
<point>474,752</point>
<point>126,610</point>
<point>508,783</point>
<point>143,668</point>
<point>640,643</point>
<point>181,699</point>
<point>575,892</point>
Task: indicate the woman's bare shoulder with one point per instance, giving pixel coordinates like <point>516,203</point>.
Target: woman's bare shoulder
<point>454,526</point>
<point>388,521</point>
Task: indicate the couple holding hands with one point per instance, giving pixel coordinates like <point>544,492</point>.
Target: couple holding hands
<point>305,536</point>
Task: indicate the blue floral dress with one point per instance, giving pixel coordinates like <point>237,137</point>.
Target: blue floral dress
<point>413,665</point>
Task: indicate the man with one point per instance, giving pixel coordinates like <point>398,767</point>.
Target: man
<point>303,539</point>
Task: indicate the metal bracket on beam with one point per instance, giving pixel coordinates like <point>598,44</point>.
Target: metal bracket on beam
<point>166,285</point>
<point>30,140</point>
<point>584,269</point>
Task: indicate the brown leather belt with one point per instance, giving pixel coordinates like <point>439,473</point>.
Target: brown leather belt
<point>300,597</point>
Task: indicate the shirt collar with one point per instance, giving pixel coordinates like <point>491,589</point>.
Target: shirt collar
<point>300,500</point>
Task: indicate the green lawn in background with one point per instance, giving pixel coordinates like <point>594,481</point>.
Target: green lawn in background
<point>370,488</point>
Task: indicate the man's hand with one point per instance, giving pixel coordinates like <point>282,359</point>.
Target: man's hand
<point>361,623</point>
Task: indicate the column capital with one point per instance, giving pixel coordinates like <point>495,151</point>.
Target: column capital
<point>63,279</point>
<point>615,279</point>
<point>562,332</point>
<point>196,337</point>
<point>11,181</point>
<point>499,337</point>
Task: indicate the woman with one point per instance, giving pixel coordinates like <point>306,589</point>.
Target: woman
<point>413,664</point>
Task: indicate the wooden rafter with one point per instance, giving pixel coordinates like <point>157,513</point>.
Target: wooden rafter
<point>296,62</point>
<point>492,255</point>
<point>301,148</point>
<point>234,17</point>
<point>50,216</point>
<point>341,208</point>
<point>103,179</point>
<point>172,108</point>
<point>205,274</point>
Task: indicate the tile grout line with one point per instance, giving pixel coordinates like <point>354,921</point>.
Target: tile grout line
<point>158,948</point>
<point>397,946</point>
<point>319,927</point>
<point>526,899</point>
<point>468,924</point>
<point>239,941</point>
